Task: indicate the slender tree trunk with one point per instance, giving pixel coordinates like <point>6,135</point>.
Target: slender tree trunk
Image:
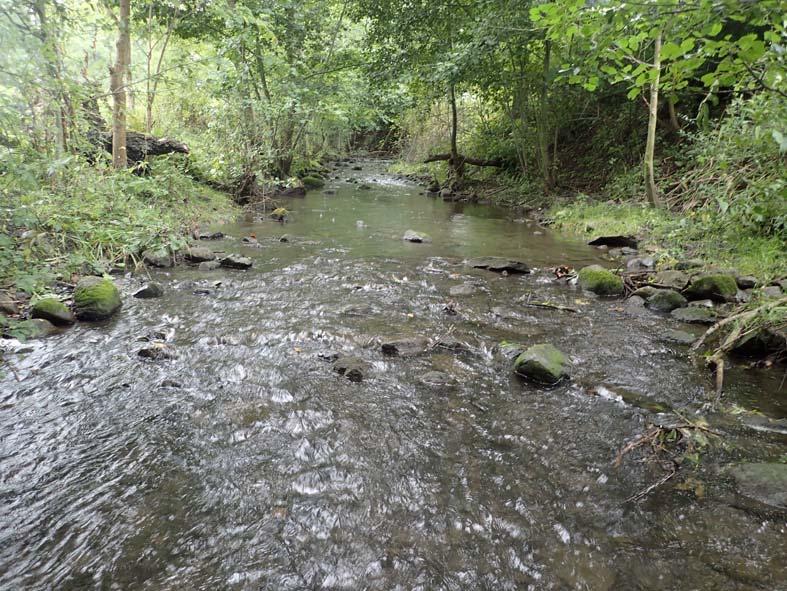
<point>542,126</point>
<point>673,116</point>
<point>118,76</point>
<point>455,163</point>
<point>650,146</point>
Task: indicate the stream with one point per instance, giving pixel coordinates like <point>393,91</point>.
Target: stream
<point>247,463</point>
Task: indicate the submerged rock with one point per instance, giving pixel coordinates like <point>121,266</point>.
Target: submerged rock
<point>236,261</point>
<point>157,352</point>
<point>465,289</point>
<point>352,368</point>
<point>510,351</point>
<point>665,300</point>
<point>199,254</point>
<point>36,328</point>
<point>405,346</point>
<point>96,298</point>
<point>158,258</point>
<point>413,236</point>
<point>498,264</point>
<point>719,288</point>
<point>765,482</point>
<point>694,315</point>
<point>151,290</point>
<point>437,379</point>
<point>53,310</point>
<point>209,265</point>
<point>600,281</point>
<point>543,364</point>
<point>679,336</point>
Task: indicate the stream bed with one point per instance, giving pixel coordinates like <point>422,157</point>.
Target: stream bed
<point>247,463</point>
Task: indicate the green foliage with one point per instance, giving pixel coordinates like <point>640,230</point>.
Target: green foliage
<point>87,219</point>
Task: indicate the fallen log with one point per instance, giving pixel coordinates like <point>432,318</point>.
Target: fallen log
<point>139,145</point>
<point>465,160</point>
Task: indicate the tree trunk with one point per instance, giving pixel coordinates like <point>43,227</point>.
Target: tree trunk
<point>542,126</point>
<point>455,163</point>
<point>118,76</point>
<point>673,116</point>
<point>650,178</point>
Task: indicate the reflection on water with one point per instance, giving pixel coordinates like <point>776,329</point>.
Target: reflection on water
<point>246,463</point>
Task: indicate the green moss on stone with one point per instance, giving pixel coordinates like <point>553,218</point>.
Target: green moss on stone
<point>543,364</point>
<point>721,288</point>
<point>313,182</point>
<point>600,281</point>
<point>53,310</point>
<point>279,213</point>
<point>96,298</point>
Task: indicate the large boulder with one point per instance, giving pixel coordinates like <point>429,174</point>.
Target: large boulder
<point>96,298</point>
<point>53,310</point>
<point>665,300</point>
<point>543,364</point>
<point>717,287</point>
<point>765,482</point>
<point>498,264</point>
<point>601,281</point>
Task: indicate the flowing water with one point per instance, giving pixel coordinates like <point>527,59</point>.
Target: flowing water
<point>247,463</point>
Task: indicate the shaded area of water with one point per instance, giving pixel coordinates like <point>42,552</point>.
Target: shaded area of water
<point>247,463</point>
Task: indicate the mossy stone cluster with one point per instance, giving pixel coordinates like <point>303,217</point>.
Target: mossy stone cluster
<point>543,364</point>
<point>600,281</point>
<point>53,310</point>
<point>96,298</point>
<point>717,287</point>
<point>312,182</point>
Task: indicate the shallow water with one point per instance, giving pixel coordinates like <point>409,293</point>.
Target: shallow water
<point>246,463</point>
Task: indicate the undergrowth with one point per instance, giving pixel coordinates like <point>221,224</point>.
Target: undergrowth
<point>69,216</point>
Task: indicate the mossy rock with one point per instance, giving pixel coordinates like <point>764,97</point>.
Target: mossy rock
<point>312,182</point>
<point>720,288</point>
<point>279,214</point>
<point>665,300</point>
<point>96,298</point>
<point>53,310</point>
<point>543,364</point>
<point>600,281</point>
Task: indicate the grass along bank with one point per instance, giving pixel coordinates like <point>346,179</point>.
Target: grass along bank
<point>672,236</point>
<point>60,220</point>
